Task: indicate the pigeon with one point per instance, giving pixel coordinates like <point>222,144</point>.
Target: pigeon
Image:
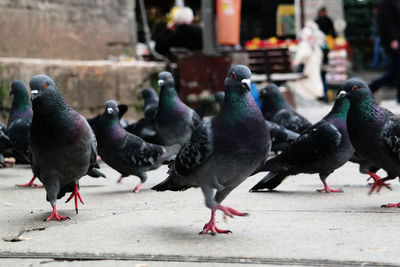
<point>280,136</point>
<point>93,121</point>
<point>276,109</point>
<point>174,121</point>
<point>62,144</point>
<point>322,148</point>
<point>125,152</point>
<point>223,151</point>
<point>374,132</point>
<point>19,122</point>
<point>5,143</point>
<point>18,125</point>
<point>144,128</point>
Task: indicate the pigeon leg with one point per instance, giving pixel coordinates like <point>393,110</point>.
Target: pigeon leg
<point>120,178</point>
<point>379,183</point>
<point>137,188</point>
<point>212,228</point>
<point>326,188</point>
<point>30,184</point>
<point>56,215</point>
<point>75,193</point>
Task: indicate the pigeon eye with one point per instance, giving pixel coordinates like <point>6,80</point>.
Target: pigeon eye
<point>168,77</point>
<point>355,87</point>
<point>45,85</point>
<point>233,75</point>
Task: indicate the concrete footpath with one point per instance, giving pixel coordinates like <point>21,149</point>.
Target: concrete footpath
<point>294,225</point>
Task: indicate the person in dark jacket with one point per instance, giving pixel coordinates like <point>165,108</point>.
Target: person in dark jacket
<point>180,33</point>
<point>388,21</point>
<point>325,23</point>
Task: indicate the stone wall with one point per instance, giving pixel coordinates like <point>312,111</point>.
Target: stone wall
<point>67,29</point>
<point>85,85</point>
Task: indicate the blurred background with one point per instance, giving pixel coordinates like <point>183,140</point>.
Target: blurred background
<point>98,49</point>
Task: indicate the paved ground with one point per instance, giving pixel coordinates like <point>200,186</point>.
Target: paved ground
<point>294,225</point>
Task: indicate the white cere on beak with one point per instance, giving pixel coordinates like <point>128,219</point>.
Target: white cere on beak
<point>246,81</point>
<point>160,82</point>
<point>109,110</point>
<point>34,92</point>
<point>341,94</point>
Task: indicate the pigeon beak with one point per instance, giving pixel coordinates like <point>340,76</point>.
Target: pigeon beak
<point>247,82</point>
<point>341,94</point>
<point>34,94</point>
<point>109,110</point>
<point>160,83</point>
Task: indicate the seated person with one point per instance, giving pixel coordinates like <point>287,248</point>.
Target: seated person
<point>180,33</point>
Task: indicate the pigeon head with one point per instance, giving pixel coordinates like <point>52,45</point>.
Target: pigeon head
<point>149,94</point>
<point>271,96</point>
<point>238,78</point>
<point>20,92</point>
<point>165,79</point>
<point>354,89</point>
<point>111,110</point>
<point>18,88</point>
<point>42,86</point>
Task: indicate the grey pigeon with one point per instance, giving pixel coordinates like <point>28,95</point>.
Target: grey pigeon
<point>174,121</point>
<point>125,152</point>
<point>224,151</point>
<point>144,128</point>
<point>63,145</point>
<point>276,109</point>
<point>374,131</point>
<point>321,149</point>
<point>280,136</point>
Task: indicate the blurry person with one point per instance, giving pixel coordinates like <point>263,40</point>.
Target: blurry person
<point>309,57</point>
<point>325,23</point>
<point>180,33</point>
<point>379,58</point>
<point>388,21</point>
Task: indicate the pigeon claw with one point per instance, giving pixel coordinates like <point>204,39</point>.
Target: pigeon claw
<point>229,211</point>
<point>327,189</point>
<point>56,216</point>
<point>378,184</point>
<point>75,193</point>
<point>30,183</point>
<point>397,205</point>
<point>212,228</point>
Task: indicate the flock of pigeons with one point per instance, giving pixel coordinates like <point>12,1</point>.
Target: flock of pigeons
<point>216,155</point>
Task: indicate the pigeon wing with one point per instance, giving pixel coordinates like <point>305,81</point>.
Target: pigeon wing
<point>195,151</point>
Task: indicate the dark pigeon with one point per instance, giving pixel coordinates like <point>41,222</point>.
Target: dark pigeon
<point>63,145</point>
<point>374,131</point>
<point>125,152</point>
<point>19,122</point>
<point>224,151</point>
<point>18,126</point>
<point>280,136</point>
<point>123,109</point>
<point>276,109</point>
<point>321,149</point>
<point>174,121</point>
<point>5,144</point>
<point>144,128</point>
